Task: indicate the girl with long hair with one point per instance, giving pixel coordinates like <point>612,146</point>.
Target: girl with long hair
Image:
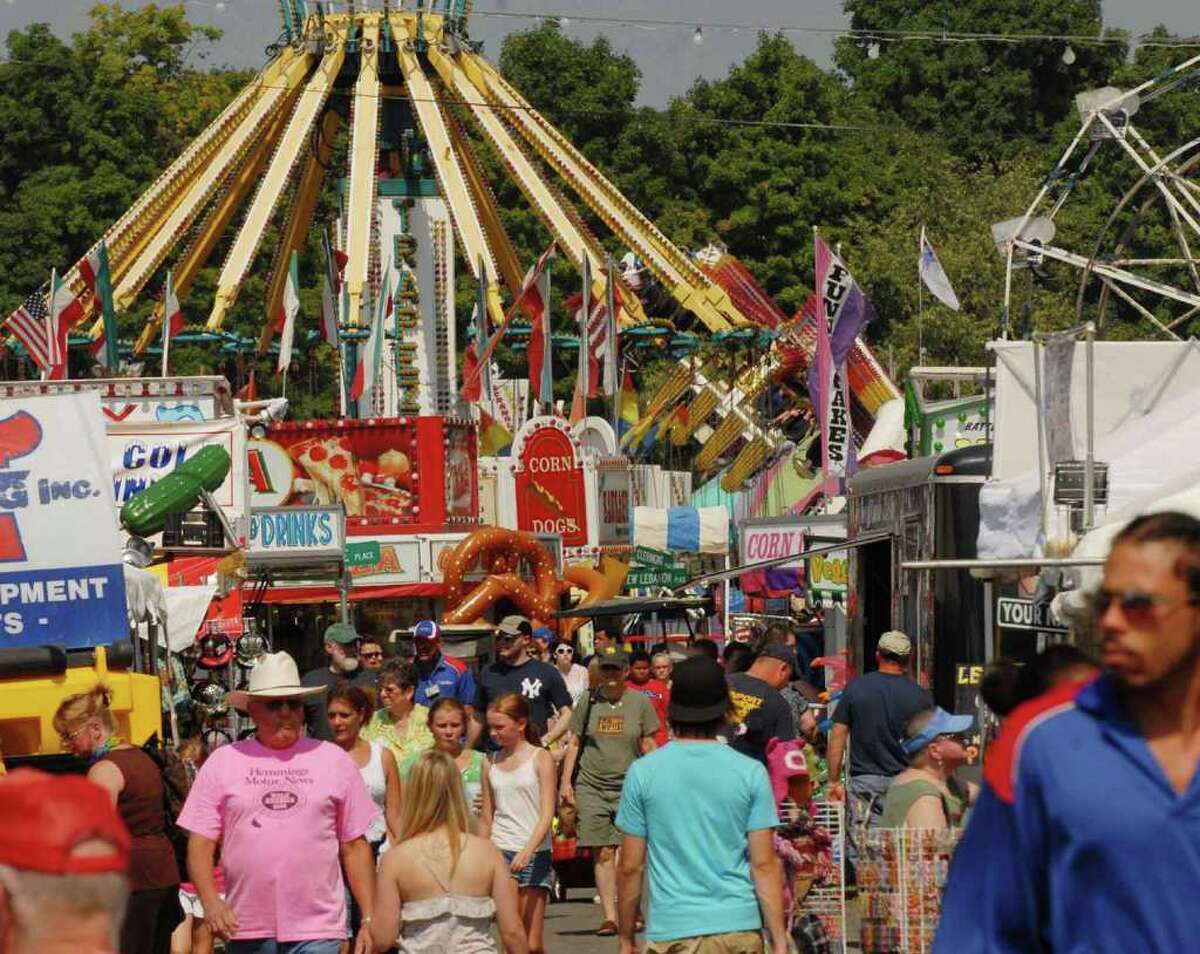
<point>348,709</point>
<point>441,882</point>
<point>447,723</point>
<point>88,729</point>
<point>519,797</point>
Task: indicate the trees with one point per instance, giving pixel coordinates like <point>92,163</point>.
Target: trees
<point>989,98</point>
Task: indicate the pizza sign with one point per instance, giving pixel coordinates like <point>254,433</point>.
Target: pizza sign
<point>550,485</point>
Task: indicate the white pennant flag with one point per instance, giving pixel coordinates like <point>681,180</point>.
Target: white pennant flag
<point>291,308</point>
<point>934,276</point>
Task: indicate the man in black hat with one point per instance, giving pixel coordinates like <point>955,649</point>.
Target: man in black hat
<point>713,872</point>
<point>760,713</point>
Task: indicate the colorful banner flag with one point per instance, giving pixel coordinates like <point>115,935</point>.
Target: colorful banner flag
<point>846,311</point>
<point>288,310</point>
<point>95,273</point>
<point>611,350</point>
<point>934,276</point>
<point>495,440</point>
<point>627,407</point>
<point>487,343</point>
<point>541,378</point>
<point>370,359</point>
<point>172,321</point>
<point>248,391</point>
<point>472,389</point>
<point>329,321</point>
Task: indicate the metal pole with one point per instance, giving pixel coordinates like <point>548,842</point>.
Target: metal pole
<point>1041,434</point>
<point>989,622</point>
<point>1089,461</point>
<point>343,597</point>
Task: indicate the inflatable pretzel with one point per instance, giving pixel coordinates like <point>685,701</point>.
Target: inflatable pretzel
<point>501,552</point>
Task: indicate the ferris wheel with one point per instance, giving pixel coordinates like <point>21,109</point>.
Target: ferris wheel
<point>1145,258</point>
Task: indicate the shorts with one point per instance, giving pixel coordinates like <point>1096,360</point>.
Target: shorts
<point>735,942</point>
<point>536,874</point>
<point>597,810</point>
<point>190,902</point>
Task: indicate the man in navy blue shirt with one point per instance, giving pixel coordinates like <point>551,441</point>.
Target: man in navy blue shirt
<point>1086,836</point>
<point>439,676</point>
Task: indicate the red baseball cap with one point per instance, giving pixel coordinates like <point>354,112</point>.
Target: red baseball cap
<point>48,816</point>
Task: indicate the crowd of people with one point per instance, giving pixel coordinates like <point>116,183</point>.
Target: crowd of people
<point>413,808</point>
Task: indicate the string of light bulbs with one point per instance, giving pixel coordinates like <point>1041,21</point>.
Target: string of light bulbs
<point>698,28</point>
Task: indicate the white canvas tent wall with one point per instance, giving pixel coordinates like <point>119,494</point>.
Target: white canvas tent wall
<point>1145,393</point>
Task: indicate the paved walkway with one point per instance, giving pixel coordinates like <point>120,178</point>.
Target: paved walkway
<point>571,926</point>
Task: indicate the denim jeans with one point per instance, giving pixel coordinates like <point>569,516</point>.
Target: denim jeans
<point>268,945</point>
<point>865,793</point>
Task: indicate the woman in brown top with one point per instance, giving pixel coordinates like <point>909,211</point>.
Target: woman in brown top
<point>86,725</point>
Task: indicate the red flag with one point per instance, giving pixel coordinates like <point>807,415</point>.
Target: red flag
<point>472,389</point>
<point>249,391</point>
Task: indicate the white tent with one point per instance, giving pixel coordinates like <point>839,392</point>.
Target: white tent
<point>1149,456</point>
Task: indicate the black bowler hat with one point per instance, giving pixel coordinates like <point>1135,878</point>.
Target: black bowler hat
<point>699,692</point>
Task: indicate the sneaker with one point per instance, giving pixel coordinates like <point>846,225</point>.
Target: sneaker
<point>607,929</point>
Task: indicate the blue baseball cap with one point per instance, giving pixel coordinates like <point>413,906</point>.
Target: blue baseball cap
<point>942,723</point>
<point>426,629</point>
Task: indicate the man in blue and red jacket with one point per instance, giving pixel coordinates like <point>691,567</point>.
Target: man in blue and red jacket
<point>1086,837</point>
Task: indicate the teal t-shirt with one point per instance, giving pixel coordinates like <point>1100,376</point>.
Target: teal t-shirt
<point>695,803</point>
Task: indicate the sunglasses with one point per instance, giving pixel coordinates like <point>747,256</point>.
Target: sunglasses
<point>1136,603</point>
<point>564,651</point>
<point>378,655</point>
<point>278,705</point>
<point>66,737</point>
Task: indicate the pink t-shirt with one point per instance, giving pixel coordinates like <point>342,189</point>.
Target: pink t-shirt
<point>281,816</point>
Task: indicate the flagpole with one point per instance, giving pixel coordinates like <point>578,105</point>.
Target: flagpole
<point>49,325</point>
<point>920,301</point>
<point>166,321</point>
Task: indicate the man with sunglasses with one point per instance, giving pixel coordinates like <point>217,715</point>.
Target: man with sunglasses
<point>290,814</point>
<point>516,671</point>
<point>1085,837</point>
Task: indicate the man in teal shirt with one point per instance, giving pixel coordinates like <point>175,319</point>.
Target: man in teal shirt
<point>700,815</point>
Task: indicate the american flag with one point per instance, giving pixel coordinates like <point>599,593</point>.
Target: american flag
<point>29,324</point>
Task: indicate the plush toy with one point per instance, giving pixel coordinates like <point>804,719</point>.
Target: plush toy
<point>787,767</point>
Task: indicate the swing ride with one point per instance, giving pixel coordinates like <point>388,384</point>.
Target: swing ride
<point>405,85</point>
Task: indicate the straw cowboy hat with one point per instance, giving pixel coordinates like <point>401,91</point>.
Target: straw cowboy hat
<point>275,677</point>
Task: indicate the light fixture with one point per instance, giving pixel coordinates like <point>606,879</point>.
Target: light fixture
<point>698,37</point>
<point>872,50</point>
<point>1068,55</point>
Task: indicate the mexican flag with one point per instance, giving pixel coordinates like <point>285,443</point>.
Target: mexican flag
<point>370,360</point>
<point>95,274</point>
<point>172,321</point>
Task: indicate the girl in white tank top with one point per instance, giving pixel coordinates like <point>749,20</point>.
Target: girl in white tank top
<point>519,798</point>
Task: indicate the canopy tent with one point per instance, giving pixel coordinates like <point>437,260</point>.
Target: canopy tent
<point>1149,455</point>
<point>682,529</point>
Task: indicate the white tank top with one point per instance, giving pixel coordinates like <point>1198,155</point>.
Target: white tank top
<point>376,782</point>
<point>518,805</point>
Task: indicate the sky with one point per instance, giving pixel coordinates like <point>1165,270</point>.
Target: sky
<point>668,56</point>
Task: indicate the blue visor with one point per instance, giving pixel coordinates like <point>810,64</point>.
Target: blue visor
<point>942,723</point>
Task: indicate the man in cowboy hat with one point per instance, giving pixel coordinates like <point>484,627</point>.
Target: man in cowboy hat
<point>278,804</point>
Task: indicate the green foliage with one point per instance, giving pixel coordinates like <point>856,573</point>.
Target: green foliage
<point>987,98</point>
<point>953,136</point>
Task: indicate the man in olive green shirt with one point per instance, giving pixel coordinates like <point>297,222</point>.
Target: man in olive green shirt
<point>609,730</point>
